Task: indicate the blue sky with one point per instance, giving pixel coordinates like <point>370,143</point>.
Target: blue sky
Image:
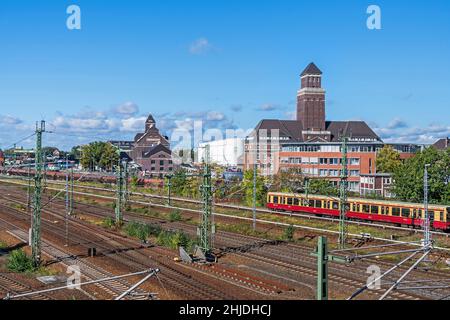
<point>229,63</point>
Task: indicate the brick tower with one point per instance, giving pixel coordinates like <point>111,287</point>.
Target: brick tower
<point>311,104</point>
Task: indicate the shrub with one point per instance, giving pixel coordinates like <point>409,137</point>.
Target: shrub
<point>289,233</point>
<point>175,215</point>
<point>142,231</point>
<point>18,261</point>
<point>109,223</point>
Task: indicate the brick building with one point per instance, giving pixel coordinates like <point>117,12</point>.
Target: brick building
<point>311,144</point>
<point>442,144</point>
<point>150,150</point>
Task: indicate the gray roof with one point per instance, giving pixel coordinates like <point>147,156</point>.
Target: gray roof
<point>156,149</point>
<point>311,69</point>
<point>293,129</point>
<point>442,144</point>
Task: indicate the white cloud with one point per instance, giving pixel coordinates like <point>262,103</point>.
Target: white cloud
<point>9,120</point>
<point>215,116</point>
<point>127,109</point>
<point>268,107</point>
<point>399,131</point>
<point>200,46</point>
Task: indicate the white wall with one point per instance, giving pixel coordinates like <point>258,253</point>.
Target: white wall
<point>226,152</point>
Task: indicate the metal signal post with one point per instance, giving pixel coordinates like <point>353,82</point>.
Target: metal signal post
<point>37,205</point>
<point>206,229</point>
<point>343,230</point>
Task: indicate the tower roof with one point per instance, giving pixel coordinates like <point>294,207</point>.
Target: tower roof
<point>311,69</point>
<point>150,119</point>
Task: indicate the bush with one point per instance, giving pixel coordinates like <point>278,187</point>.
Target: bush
<point>142,231</point>
<point>175,239</point>
<point>109,223</point>
<point>175,215</point>
<point>18,261</point>
<point>289,233</point>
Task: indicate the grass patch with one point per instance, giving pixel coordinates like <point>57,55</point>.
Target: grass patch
<point>175,215</point>
<point>3,245</point>
<point>20,262</point>
<point>142,231</point>
<point>109,223</point>
<point>175,239</point>
<point>288,234</point>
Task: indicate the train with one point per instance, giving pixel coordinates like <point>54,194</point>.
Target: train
<point>390,212</point>
<point>85,177</point>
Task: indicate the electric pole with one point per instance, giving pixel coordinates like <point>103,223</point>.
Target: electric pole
<point>255,172</point>
<point>67,202</point>
<point>343,231</point>
<point>169,191</point>
<point>119,194</point>
<point>36,221</point>
<point>206,226</point>
<point>426,220</point>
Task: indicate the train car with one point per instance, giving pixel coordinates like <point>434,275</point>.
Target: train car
<point>392,212</point>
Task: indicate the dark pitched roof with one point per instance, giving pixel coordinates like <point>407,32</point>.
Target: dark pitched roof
<point>150,119</point>
<point>138,136</point>
<point>442,144</point>
<point>292,129</point>
<point>156,149</point>
<point>352,129</point>
<point>311,69</point>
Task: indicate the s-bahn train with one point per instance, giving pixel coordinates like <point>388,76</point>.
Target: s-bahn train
<point>392,212</point>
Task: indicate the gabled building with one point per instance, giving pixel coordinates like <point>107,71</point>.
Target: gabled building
<point>311,144</point>
<point>151,151</point>
<point>442,144</point>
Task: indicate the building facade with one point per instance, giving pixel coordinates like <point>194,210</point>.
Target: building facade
<point>227,152</point>
<point>311,144</point>
<point>150,151</point>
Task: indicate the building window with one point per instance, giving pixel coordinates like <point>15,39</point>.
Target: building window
<point>153,161</point>
<point>161,162</point>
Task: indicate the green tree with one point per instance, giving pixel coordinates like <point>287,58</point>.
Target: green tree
<point>408,179</point>
<point>261,189</point>
<point>291,181</point>
<point>322,187</point>
<point>388,160</point>
<point>99,154</point>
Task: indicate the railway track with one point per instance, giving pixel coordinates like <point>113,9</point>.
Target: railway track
<point>301,216</point>
<point>178,281</point>
<point>283,258</point>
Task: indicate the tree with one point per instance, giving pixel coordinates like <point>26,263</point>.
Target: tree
<point>322,187</point>
<point>99,154</point>
<point>388,160</point>
<point>261,190</point>
<point>408,178</point>
<point>291,181</point>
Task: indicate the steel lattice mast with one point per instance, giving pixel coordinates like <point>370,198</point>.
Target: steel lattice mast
<point>37,205</point>
<point>426,220</point>
<point>343,231</point>
<point>120,194</point>
<point>205,230</point>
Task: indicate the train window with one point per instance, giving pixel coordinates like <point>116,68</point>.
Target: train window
<point>290,201</point>
<point>335,205</point>
<point>406,212</point>
<point>311,203</point>
<point>374,209</point>
<point>353,207</point>
<point>441,216</point>
<point>431,215</point>
<point>275,200</point>
<point>296,201</point>
<point>328,205</point>
<point>365,208</point>
<point>384,210</point>
<point>448,214</point>
<point>396,211</point>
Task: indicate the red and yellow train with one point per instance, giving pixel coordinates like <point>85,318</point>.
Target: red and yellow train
<point>392,212</point>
